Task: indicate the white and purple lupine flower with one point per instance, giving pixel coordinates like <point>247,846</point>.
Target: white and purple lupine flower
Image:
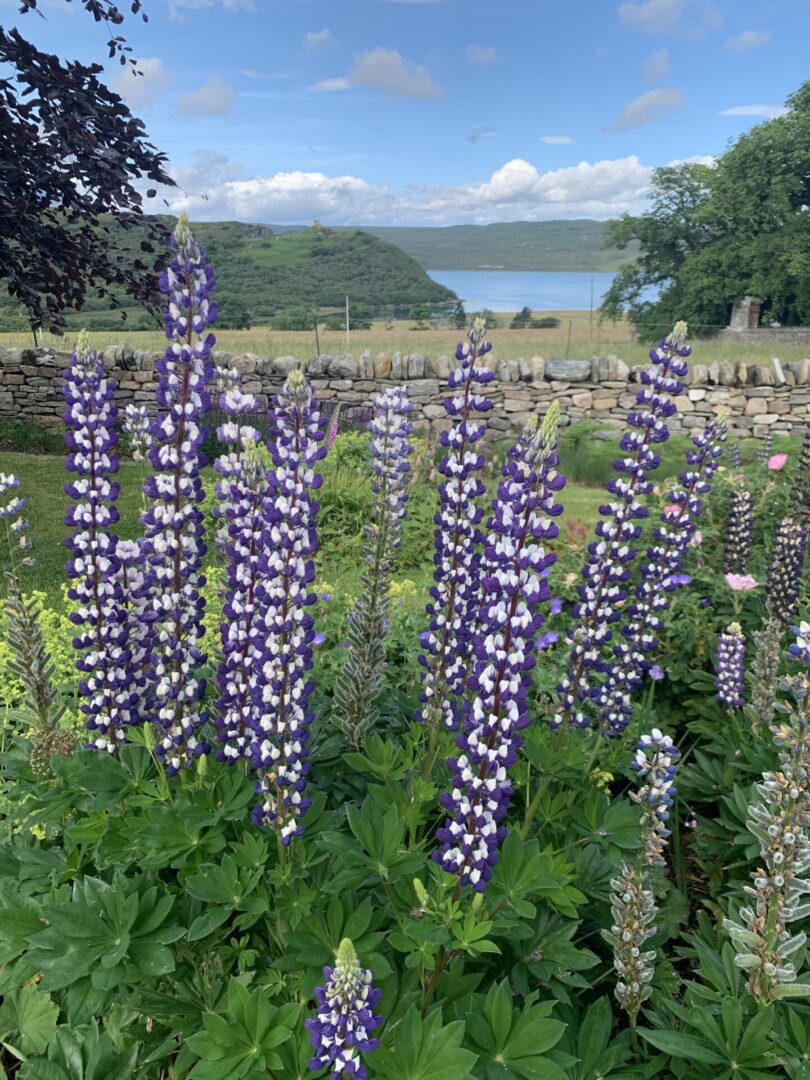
<point>11,513</point>
<point>359,681</point>
<point>94,566</point>
<point>739,532</point>
<point>278,749</point>
<point>658,577</point>
<point>455,594</point>
<point>343,1028</point>
<point>174,527</point>
<point>729,666</point>
<point>607,569</point>
<point>241,490</point>
<point>137,428</point>
<point>514,585</point>
<point>655,760</point>
<point>785,571</point>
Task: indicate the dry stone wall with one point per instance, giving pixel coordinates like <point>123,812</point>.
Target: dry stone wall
<point>758,398</point>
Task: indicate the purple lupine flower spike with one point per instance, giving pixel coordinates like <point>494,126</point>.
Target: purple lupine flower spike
<point>729,666</point>
<point>345,1022</point>
<point>174,527</point>
<point>508,625</point>
<point>94,567</point>
<point>660,575</point>
<point>607,570</point>
<point>739,532</point>
<point>655,760</point>
<point>455,596</point>
<point>785,571</point>
<point>278,749</point>
<point>241,489</point>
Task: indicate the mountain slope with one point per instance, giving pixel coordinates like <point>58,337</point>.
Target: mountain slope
<point>518,245</point>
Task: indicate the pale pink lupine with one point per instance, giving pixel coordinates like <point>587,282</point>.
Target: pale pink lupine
<point>741,582</point>
<point>777,462</point>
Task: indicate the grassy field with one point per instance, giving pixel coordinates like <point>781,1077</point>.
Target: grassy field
<point>578,336</point>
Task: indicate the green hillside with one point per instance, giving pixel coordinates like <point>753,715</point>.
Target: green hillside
<point>518,245</point>
<point>263,272</point>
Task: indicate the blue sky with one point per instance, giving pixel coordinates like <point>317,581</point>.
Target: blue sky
<point>439,111</point>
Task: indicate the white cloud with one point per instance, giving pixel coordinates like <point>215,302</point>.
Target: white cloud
<point>386,70</point>
<point>748,40</point>
<point>556,140</point>
<point>768,111</point>
<point>176,6</point>
<point>214,98</point>
<point>481,54</point>
<point>646,109</point>
<point>216,189</point>
<point>657,66</point>
<point>316,39</point>
<point>684,18</point>
<point>481,131</point>
<point>143,88</point>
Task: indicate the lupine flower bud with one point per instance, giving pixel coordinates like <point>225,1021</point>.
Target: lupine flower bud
<point>174,527</point>
<point>514,585</point>
<point>729,666</point>
<point>343,1027</point>
<point>285,629</point>
<point>607,570</point>
<point>632,901</point>
<point>359,682</point>
<point>137,428</point>
<point>739,532</point>
<point>784,574</point>
<point>455,593</point>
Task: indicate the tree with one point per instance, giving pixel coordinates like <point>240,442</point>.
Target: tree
<point>232,313</point>
<point>295,318</point>
<point>71,154</point>
<point>714,235</point>
<point>522,319</point>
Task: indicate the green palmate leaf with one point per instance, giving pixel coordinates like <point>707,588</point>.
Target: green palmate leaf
<point>525,873</point>
<point>241,1043</point>
<point>30,1016</point>
<point>512,1044</point>
<point>423,1049</point>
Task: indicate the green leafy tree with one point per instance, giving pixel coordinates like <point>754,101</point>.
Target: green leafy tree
<point>522,320</point>
<point>713,235</point>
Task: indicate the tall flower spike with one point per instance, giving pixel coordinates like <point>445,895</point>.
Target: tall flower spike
<point>729,667</point>
<point>785,571</point>
<point>241,490</point>
<point>94,567</point>
<point>278,749</point>
<point>358,684</point>
<point>607,570</point>
<point>455,594</point>
<point>800,490</point>
<point>174,527</point>
<point>343,1027</point>
<point>658,578</point>
<point>632,900</point>
<point>514,585</point>
<point>779,819</point>
<point>739,532</point>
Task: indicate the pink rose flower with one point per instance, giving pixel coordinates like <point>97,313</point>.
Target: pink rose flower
<point>777,462</point>
<point>741,582</point>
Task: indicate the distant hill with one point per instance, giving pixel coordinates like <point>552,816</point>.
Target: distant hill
<point>262,271</point>
<point>518,245</point>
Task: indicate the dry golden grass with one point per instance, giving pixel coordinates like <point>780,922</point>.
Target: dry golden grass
<point>578,336</point>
